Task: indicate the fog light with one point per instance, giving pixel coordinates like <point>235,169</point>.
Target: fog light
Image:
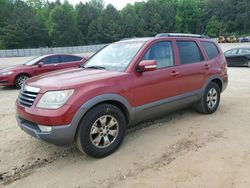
<point>45,128</point>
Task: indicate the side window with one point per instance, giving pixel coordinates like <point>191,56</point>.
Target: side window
<point>231,52</point>
<point>244,51</point>
<point>68,58</point>
<point>77,58</point>
<point>51,60</point>
<point>189,52</point>
<point>161,52</point>
<point>210,49</point>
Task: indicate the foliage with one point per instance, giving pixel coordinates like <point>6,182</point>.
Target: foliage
<point>40,23</point>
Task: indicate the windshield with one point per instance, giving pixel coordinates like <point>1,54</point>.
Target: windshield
<point>116,56</point>
<point>33,61</point>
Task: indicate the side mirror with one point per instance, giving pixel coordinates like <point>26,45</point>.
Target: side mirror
<point>147,65</point>
<point>40,64</point>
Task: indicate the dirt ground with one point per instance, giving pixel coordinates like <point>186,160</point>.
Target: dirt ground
<point>183,149</point>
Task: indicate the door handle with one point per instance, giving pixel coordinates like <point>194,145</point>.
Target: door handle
<point>207,66</point>
<point>55,65</point>
<point>174,73</point>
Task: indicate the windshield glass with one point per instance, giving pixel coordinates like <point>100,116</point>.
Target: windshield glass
<point>33,61</point>
<point>116,56</point>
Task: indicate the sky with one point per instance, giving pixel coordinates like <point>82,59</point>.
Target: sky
<point>119,4</point>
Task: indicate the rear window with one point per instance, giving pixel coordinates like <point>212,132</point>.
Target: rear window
<point>67,58</point>
<point>210,49</point>
<point>189,52</point>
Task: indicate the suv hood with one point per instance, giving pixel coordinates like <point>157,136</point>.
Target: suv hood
<point>69,78</point>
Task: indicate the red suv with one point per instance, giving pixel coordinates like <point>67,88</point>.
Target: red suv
<point>16,75</point>
<point>124,83</point>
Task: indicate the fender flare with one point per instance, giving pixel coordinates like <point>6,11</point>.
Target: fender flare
<point>97,100</point>
<point>210,79</point>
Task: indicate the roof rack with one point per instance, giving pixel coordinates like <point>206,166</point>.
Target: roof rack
<point>180,35</point>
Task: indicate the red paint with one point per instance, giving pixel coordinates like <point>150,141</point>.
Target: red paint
<point>36,69</point>
<point>138,88</point>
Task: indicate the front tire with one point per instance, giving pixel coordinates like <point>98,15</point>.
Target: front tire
<point>210,100</point>
<point>101,131</point>
<point>19,81</point>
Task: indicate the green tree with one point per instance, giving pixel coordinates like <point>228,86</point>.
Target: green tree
<point>38,23</point>
<point>213,28</point>
<point>63,28</point>
<point>106,28</point>
<point>23,29</point>
<point>187,17</point>
<point>85,13</point>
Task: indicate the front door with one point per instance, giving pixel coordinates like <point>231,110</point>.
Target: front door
<point>50,63</point>
<point>153,88</point>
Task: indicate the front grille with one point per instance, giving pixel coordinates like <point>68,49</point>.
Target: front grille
<point>27,97</point>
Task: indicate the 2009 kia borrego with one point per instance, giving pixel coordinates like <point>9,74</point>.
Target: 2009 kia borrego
<point>124,83</point>
<point>16,75</point>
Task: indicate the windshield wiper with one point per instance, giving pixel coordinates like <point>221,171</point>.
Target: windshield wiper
<point>95,67</point>
<point>81,66</point>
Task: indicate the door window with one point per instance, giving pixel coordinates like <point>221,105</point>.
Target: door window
<point>244,51</point>
<point>231,52</point>
<point>189,52</point>
<point>161,52</point>
<point>51,60</point>
<point>68,58</point>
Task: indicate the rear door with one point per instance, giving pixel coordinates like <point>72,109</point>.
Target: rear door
<point>191,65</point>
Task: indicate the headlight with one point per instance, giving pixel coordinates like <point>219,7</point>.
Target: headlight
<point>54,99</point>
<point>6,73</point>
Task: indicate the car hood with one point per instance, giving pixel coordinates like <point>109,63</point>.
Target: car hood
<point>69,78</point>
<point>11,68</point>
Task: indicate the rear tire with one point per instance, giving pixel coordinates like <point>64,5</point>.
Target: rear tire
<point>210,99</point>
<point>101,131</point>
<point>20,79</point>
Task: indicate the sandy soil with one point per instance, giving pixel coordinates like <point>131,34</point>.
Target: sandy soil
<point>182,149</point>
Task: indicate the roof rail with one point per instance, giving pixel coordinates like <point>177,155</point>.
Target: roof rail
<point>180,35</point>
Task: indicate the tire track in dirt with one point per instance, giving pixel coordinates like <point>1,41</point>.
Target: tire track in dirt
<point>185,145</point>
<point>25,170</point>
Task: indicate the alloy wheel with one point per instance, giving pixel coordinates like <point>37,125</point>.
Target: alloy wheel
<point>104,131</point>
<point>21,80</point>
<point>212,98</point>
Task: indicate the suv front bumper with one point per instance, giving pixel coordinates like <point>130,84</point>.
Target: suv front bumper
<point>59,135</point>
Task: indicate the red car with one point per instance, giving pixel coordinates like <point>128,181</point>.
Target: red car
<point>126,82</point>
<point>16,75</point>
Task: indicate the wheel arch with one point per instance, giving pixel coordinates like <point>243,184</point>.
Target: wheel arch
<point>218,82</point>
<point>217,79</point>
<point>114,99</point>
<point>23,73</point>
<point>119,105</point>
